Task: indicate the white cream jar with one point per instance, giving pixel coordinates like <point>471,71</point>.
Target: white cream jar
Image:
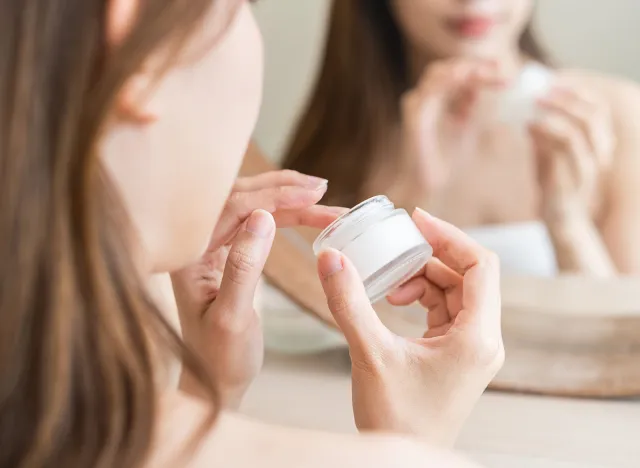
<point>381,241</point>
<point>516,104</point>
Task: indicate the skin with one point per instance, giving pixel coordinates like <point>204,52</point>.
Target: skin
<point>174,151</point>
<point>577,166</point>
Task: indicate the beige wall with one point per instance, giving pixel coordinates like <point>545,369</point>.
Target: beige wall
<point>599,34</point>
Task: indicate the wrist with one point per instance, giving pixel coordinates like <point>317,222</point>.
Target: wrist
<point>563,214</point>
<point>578,244</point>
<point>228,399</point>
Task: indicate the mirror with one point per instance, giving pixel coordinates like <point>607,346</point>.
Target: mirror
<point>536,155</point>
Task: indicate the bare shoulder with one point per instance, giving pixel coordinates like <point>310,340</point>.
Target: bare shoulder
<point>610,86</point>
<point>239,442</point>
<point>621,94</point>
<point>622,97</point>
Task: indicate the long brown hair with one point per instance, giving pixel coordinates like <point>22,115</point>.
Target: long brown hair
<point>352,118</point>
<point>78,332</point>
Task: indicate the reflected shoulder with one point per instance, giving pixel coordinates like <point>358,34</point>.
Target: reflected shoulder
<point>237,441</point>
<point>622,94</point>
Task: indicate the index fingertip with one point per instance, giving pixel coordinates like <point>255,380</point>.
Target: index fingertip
<point>419,213</point>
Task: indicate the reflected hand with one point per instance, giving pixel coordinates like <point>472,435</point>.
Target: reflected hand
<point>215,296</point>
<point>574,144</point>
<point>440,104</point>
<point>427,386</point>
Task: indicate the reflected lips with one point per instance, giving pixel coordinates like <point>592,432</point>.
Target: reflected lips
<point>472,27</point>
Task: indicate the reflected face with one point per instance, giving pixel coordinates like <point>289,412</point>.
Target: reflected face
<point>476,28</point>
<point>176,172</point>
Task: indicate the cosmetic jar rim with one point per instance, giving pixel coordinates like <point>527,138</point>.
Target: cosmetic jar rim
<point>363,214</point>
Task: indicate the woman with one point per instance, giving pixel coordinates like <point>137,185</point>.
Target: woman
<point>122,127</point>
<point>394,111</point>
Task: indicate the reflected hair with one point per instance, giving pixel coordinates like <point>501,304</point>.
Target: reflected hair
<point>351,120</point>
<point>79,334</point>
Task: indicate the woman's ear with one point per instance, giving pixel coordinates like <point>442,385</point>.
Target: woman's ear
<point>130,106</point>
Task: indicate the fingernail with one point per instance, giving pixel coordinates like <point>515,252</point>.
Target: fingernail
<point>421,212</point>
<point>330,262</point>
<point>317,183</point>
<point>260,223</point>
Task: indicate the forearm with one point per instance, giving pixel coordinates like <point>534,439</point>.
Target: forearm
<point>579,246</point>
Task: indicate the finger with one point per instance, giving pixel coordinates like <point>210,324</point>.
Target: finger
<point>485,77</point>
<point>428,295</point>
<point>581,112</point>
<point>481,298</point>
<point>455,74</point>
<point>419,290</point>
<point>456,84</point>
<point>317,216</point>
<point>276,179</point>
<point>241,204</point>
<point>349,303</point>
<point>244,266</point>
<point>439,274</point>
<point>453,247</point>
<point>557,134</point>
<point>543,158</point>
<point>479,267</point>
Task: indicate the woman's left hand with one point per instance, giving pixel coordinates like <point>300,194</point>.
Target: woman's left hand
<point>574,144</point>
<point>215,296</point>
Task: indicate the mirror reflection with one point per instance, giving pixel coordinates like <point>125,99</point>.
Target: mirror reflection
<point>458,108</point>
<point>510,119</point>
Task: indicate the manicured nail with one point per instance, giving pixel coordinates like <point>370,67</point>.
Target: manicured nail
<point>260,223</point>
<point>421,212</point>
<point>330,262</point>
<point>317,183</point>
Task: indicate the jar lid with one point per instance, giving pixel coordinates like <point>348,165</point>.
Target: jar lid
<point>351,224</point>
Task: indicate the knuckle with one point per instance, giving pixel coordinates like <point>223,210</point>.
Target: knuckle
<point>489,260</point>
<point>341,303</point>
<point>241,263</point>
<point>235,198</point>
<point>492,260</point>
<point>290,174</point>
<point>284,197</point>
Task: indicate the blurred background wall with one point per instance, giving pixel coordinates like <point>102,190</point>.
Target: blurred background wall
<point>597,34</point>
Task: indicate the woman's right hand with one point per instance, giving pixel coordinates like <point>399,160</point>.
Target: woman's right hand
<point>435,115</point>
<point>426,387</point>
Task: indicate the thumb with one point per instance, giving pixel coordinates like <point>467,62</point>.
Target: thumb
<point>245,263</point>
<point>349,303</point>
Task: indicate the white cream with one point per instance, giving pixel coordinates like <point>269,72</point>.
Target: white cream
<point>516,105</point>
<point>382,242</point>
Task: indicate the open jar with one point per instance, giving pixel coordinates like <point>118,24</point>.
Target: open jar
<point>382,242</point>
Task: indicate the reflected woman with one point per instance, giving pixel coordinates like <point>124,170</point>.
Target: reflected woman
<point>396,110</point>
